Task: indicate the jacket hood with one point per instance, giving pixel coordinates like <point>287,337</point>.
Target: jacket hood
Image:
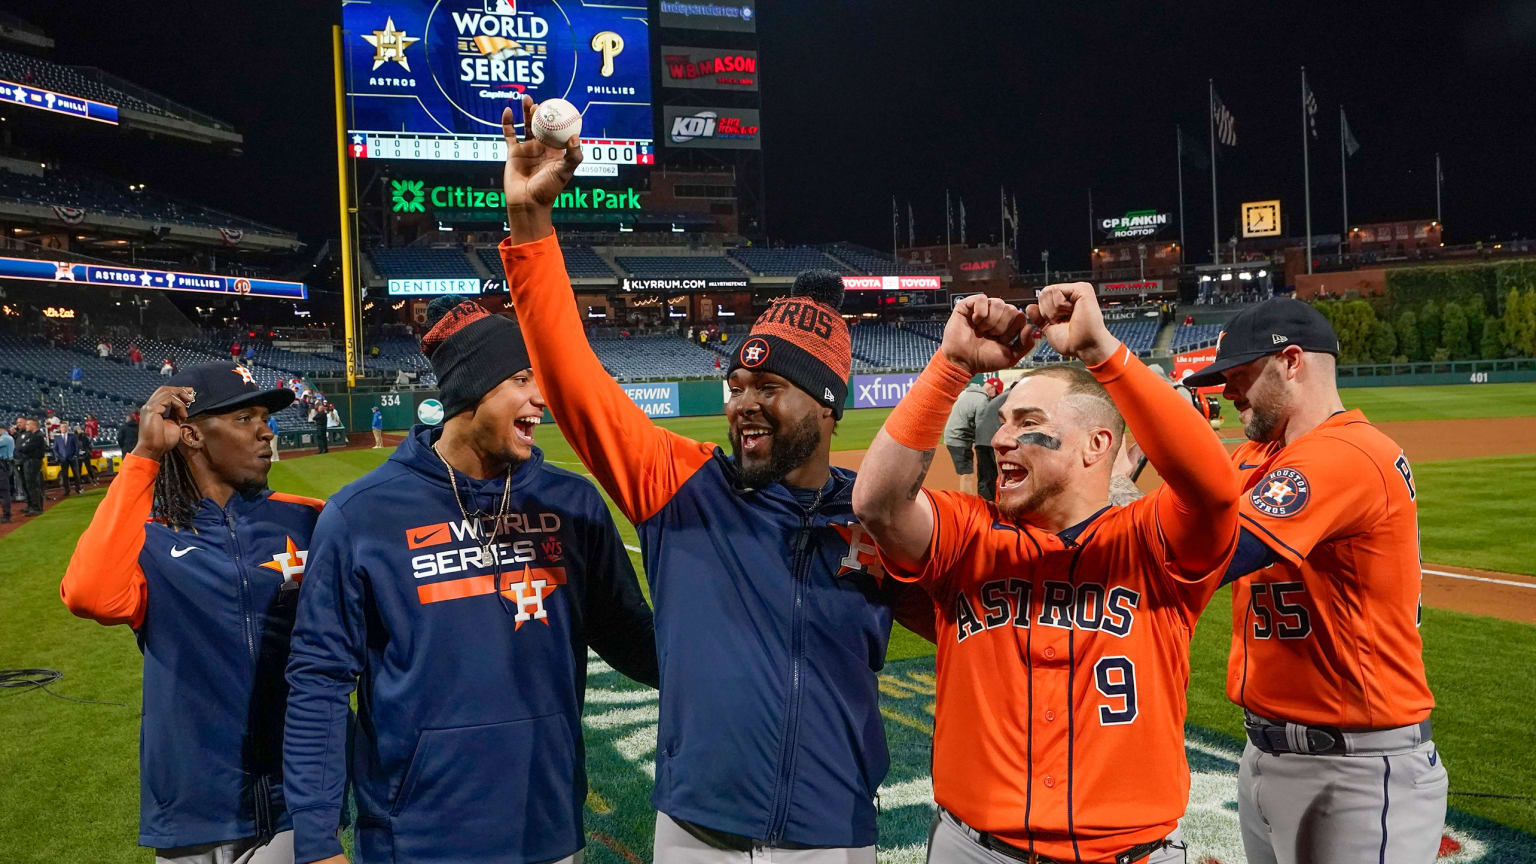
<point>415,454</point>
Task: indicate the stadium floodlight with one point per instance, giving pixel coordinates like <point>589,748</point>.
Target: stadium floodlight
<point>1245,275</point>
<point>1263,273</point>
<point>1226,277</point>
<point>1205,278</point>
<point>675,229</point>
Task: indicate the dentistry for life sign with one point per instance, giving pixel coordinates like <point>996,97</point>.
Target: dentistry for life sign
<point>656,399</point>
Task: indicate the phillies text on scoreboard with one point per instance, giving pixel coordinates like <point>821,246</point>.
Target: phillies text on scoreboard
<point>429,79</point>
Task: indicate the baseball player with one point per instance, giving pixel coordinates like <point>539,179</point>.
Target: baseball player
<point>460,584</point>
<point>1326,659</point>
<point>192,551</point>
<point>772,617</point>
<point>1063,622</point>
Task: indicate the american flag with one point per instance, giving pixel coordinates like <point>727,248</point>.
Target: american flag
<point>1309,101</point>
<point>1226,124</point>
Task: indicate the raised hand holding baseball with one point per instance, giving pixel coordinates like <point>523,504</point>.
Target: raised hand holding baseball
<point>1068,316</point>
<point>985,334</point>
<point>535,175</point>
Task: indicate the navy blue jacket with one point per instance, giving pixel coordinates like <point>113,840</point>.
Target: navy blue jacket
<point>468,739</point>
<point>213,607</point>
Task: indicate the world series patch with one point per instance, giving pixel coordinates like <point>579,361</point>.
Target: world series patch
<point>1283,492</point>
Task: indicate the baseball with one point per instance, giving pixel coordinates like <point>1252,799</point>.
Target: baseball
<point>555,122</point>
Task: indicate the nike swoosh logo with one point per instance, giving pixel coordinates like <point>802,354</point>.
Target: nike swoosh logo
<point>178,552</point>
<point>1244,466</point>
<point>422,538</point>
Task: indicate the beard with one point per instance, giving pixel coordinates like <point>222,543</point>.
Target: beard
<point>790,449</point>
<point>1018,511</point>
<point>1264,425</point>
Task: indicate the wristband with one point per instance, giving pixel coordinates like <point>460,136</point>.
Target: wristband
<point>917,422</point>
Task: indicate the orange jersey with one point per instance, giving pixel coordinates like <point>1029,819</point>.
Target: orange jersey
<point>1062,668</point>
<point>1329,635</point>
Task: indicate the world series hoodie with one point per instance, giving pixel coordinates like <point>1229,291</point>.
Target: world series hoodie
<point>470,662</point>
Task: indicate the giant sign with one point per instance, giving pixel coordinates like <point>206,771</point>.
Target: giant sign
<point>737,16</point>
<point>113,276</point>
<point>1135,223</point>
<point>711,128</point>
<point>891,283</point>
<point>709,68</point>
<point>428,79</point>
<point>13,94</point>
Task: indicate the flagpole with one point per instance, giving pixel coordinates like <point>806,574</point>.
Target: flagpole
<point>895,227</point>
<point>947,221</point>
<point>1002,218</point>
<point>1210,110</point>
<point>1306,166</point>
<point>1090,223</point>
<point>1178,135</point>
<point>1343,179</point>
<point>1437,187</point>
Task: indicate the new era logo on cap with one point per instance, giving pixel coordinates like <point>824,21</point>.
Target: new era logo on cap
<point>826,394</point>
<point>1278,338</point>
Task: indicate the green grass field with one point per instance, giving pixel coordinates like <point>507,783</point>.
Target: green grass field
<point>69,769</point>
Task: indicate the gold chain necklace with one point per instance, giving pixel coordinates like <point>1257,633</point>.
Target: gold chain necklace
<point>500,515</point>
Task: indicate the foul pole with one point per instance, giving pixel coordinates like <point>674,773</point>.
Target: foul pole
<point>348,282</point>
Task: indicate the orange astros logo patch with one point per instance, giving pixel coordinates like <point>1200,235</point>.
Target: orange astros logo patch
<point>1283,492</point>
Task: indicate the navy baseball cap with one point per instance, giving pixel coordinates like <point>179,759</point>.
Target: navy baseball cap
<point>219,388</point>
<point>1265,329</point>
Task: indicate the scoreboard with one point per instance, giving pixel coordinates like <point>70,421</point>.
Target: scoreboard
<point>428,79</point>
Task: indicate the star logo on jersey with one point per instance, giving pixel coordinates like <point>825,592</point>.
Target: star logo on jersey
<point>390,44</point>
<point>1283,492</point>
<point>862,556</point>
<point>245,374</point>
<point>754,352</point>
<point>528,596</point>
<point>289,562</point>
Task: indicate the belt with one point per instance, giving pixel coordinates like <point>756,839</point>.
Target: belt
<point>1277,737</point>
<point>1129,856</point>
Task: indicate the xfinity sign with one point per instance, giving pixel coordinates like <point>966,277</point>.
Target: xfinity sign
<point>1135,223</point>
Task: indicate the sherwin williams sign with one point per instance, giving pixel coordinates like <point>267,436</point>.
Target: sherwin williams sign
<point>881,391</point>
<point>656,399</point>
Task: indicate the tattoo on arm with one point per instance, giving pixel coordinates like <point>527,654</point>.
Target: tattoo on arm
<point>922,474</point>
<point>1122,491</point>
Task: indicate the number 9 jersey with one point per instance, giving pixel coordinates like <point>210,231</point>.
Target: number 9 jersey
<point>1328,635</point>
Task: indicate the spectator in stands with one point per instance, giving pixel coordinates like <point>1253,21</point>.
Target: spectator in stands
<point>7,463</point>
<point>318,416</point>
<point>986,427</point>
<point>377,425</point>
<point>272,424</point>
<point>64,457</point>
<point>30,450</point>
<point>128,432</point>
<point>373,352</point>
<point>85,465</point>
<point>103,349</point>
<point>960,431</point>
<point>234,351</point>
<point>135,357</point>
<point>717,362</point>
<point>250,353</point>
<point>76,376</point>
<point>402,378</point>
<point>51,423</point>
<point>92,425</point>
<point>167,368</point>
<point>724,337</point>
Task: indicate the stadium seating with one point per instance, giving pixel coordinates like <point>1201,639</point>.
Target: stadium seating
<point>96,194</point>
<point>646,266</point>
<point>1191,336</point>
<point>419,262</point>
<point>651,357</point>
<point>862,259</point>
<point>886,346</point>
<point>786,262</point>
<point>36,72</point>
<point>580,261</point>
<point>1138,335</point>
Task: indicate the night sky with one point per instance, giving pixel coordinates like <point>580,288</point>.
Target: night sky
<point>863,100</point>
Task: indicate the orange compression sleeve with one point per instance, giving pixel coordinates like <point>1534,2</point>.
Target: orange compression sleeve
<point>1198,517</point>
<point>104,581</point>
<point>917,421</point>
<point>639,464</point>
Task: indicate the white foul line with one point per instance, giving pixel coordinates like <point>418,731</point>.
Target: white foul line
<point>1481,579</point>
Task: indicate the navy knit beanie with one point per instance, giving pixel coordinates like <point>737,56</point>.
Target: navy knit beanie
<point>471,351</point>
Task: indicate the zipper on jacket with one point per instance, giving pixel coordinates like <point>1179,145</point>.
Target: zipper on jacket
<point>245,587</point>
<point>800,568</point>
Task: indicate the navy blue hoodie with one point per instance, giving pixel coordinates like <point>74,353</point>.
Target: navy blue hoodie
<point>470,666</point>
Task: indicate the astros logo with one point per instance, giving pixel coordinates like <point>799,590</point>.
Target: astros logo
<point>754,352</point>
<point>1283,492</point>
<point>290,562</point>
<point>245,374</point>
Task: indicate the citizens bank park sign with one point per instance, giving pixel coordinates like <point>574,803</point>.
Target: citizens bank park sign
<point>1135,223</point>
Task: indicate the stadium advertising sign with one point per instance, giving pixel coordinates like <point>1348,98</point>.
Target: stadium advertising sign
<point>1144,286</point>
<point>12,93</point>
<point>656,399</point>
<point>113,276</point>
<point>737,17</point>
<point>428,79</point>
<point>881,391</point>
<point>467,203</point>
<point>1190,362</point>
<point>1135,223</point>
<point>715,128</point>
<point>685,284</point>
<point>709,68</point>
<point>427,287</point>
<point>891,283</point>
